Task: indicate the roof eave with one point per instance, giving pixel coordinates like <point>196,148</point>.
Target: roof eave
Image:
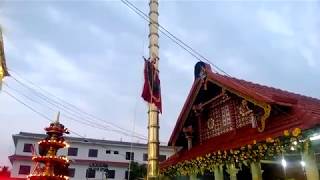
<point>186,108</point>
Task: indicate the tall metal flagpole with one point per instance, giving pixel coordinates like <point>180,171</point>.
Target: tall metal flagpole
<point>153,113</point>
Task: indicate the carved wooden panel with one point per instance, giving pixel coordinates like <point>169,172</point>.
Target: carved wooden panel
<point>225,114</point>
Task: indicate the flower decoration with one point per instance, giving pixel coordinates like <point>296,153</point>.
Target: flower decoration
<point>270,149</point>
<point>286,133</point>
<point>296,132</point>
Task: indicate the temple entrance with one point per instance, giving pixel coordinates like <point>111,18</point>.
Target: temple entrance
<point>244,173</point>
<point>293,171</point>
<point>206,176</point>
<point>272,171</point>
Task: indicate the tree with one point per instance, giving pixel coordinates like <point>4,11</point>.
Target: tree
<point>137,171</point>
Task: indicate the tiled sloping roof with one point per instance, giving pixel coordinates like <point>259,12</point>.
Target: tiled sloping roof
<point>305,113</point>
<point>256,91</point>
<point>264,93</point>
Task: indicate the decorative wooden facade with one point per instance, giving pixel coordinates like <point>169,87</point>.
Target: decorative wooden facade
<point>225,114</point>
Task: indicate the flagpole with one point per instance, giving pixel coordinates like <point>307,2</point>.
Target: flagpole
<point>153,112</point>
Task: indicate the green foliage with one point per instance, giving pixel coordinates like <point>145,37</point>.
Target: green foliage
<point>137,171</point>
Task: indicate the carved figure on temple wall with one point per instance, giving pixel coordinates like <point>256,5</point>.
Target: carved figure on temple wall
<point>245,112</point>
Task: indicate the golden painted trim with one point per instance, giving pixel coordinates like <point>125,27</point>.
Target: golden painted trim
<point>267,110</point>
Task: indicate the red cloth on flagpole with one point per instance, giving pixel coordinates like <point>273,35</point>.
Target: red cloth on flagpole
<point>151,88</point>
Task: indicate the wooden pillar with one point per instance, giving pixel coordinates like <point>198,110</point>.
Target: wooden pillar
<point>309,158</point>
<point>232,171</point>
<point>188,132</point>
<point>193,177</point>
<point>198,116</point>
<point>256,172</point>
<point>218,172</point>
<point>189,139</point>
<point>197,109</point>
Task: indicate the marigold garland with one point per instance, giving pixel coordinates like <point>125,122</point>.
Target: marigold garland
<point>268,149</point>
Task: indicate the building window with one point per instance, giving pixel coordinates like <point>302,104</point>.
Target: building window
<point>145,157</point>
<point>108,152</point>
<point>24,170</point>
<point>130,156</point>
<point>71,172</point>
<point>72,151</point>
<point>111,174</point>
<point>91,173</point>
<point>27,148</point>
<point>115,152</point>
<point>93,153</point>
<point>126,175</point>
<point>162,158</point>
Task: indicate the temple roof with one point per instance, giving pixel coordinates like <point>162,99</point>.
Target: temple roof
<point>304,113</point>
<point>258,92</point>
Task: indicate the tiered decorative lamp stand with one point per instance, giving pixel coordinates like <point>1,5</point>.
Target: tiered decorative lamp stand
<point>50,166</point>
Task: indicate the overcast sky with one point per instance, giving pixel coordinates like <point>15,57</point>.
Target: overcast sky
<point>89,54</point>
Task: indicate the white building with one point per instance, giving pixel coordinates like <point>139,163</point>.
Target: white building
<point>83,152</point>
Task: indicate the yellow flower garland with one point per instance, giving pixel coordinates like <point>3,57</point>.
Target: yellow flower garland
<point>267,149</point>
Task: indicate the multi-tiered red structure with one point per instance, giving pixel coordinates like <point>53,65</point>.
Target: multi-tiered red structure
<point>50,166</point>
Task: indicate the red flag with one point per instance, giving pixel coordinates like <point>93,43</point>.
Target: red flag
<point>151,88</point>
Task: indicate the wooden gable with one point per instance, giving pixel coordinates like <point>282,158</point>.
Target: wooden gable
<point>222,112</point>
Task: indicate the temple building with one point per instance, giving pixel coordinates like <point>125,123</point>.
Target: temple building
<point>234,129</point>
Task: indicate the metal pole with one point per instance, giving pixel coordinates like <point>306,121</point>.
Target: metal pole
<point>153,112</point>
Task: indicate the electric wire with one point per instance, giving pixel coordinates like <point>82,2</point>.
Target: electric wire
<point>172,37</point>
<point>163,30</point>
<point>46,117</point>
<point>185,46</point>
<point>35,111</point>
<point>33,100</point>
<point>68,105</point>
<point>72,131</point>
<point>71,112</point>
<point>87,122</point>
<point>26,105</point>
<point>70,116</point>
<point>181,43</point>
<point>164,33</point>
